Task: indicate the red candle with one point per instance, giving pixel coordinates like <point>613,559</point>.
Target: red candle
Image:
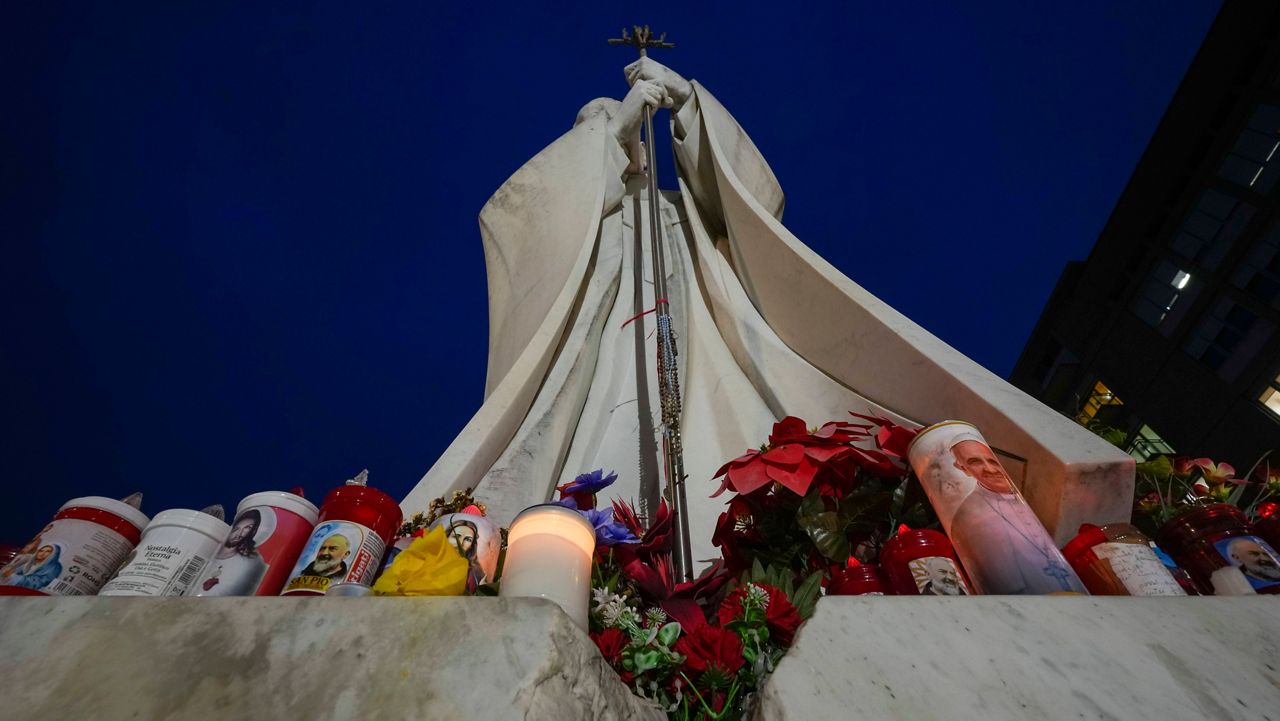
<point>1267,524</point>
<point>921,562</point>
<point>1116,559</point>
<point>859,580</point>
<point>1216,536</point>
<point>356,524</point>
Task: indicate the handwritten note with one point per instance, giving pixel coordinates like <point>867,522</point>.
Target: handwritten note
<point>1138,568</point>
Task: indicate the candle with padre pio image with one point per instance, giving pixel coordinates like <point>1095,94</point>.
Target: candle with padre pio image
<point>921,562</point>
<point>357,522</point>
<point>1003,546</point>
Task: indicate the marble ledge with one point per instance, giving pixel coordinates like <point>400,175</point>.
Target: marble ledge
<point>993,657</point>
<point>1009,657</point>
<point>315,658</point>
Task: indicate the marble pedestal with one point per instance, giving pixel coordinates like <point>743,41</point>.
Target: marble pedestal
<point>321,658</point>
<point>1006,657</point>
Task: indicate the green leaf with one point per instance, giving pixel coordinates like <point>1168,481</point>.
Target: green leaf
<point>899,498</point>
<point>645,659</point>
<point>827,530</point>
<point>812,505</point>
<point>668,634</point>
<point>1158,467</point>
<point>805,599</point>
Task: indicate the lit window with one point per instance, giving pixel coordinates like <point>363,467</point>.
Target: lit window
<point>1253,161</point>
<point>1164,286</point>
<point>1147,444</point>
<point>1101,396</point>
<point>1270,398</point>
<point>1211,227</point>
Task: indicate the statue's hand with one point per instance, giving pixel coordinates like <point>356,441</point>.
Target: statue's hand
<point>647,68</point>
<point>626,123</point>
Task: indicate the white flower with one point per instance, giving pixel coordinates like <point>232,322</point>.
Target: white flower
<point>655,617</point>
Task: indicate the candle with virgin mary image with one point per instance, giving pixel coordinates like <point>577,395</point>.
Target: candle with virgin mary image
<point>478,540</point>
<point>1003,546</point>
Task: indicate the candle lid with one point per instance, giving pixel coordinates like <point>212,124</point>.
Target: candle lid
<point>185,518</point>
<point>110,505</point>
<point>280,499</point>
<point>935,427</point>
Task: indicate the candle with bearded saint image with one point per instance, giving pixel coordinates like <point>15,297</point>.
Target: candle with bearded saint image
<point>357,522</point>
<point>1001,543</point>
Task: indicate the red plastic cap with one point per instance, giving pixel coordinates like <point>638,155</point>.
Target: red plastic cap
<point>1088,537</point>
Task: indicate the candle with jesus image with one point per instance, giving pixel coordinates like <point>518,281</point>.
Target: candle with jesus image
<point>1003,546</point>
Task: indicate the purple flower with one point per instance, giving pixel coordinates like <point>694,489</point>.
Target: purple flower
<point>608,531</point>
<point>592,482</point>
<point>583,489</point>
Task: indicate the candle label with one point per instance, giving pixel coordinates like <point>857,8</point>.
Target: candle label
<point>1255,558</point>
<point>258,554</point>
<point>1139,569</point>
<point>156,569</point>
<point>70,557</point>
<point>937,576</point>
<point>337,552</point>
<point>996,535</point>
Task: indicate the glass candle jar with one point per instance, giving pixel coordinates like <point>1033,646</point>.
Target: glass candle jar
<point>1004,547</point>
<point>861,580</point>
<point>921,562</point>
<point>549,549</point>
<point>356,524</point>
<point>1207,538</point>
<point>1267,523</point>
<point>1117,560</point>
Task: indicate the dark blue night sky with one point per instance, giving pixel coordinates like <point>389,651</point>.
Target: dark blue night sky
<point>240,244</point>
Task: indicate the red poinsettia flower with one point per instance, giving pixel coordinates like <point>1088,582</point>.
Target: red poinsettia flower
<point>782,618</point>
<point>736,528</point>
<point>793,457</point>
<point>891,438</point>
<point>610,642</point>
<point>712,649</point>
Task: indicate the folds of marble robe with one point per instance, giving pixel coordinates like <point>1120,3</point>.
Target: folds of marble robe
<point>767,329</point>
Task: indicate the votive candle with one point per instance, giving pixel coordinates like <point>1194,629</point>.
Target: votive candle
<point>549,549</point>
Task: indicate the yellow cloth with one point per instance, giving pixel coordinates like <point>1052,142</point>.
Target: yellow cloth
<point>430,566</point>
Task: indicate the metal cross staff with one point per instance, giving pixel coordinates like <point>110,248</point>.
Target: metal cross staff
<point>668,375</point>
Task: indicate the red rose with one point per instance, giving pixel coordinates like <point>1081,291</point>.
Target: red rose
<point>781,617</point>
<point>611,642</point>
<point>710,648</point>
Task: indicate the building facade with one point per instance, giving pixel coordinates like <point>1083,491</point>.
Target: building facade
<point>1170,330</point>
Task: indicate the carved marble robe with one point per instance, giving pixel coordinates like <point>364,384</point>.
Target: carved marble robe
<point>766,329</point>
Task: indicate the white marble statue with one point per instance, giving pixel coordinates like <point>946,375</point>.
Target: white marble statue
<point>766,329</point>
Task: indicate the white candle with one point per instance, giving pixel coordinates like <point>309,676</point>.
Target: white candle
<point>549,549</point>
